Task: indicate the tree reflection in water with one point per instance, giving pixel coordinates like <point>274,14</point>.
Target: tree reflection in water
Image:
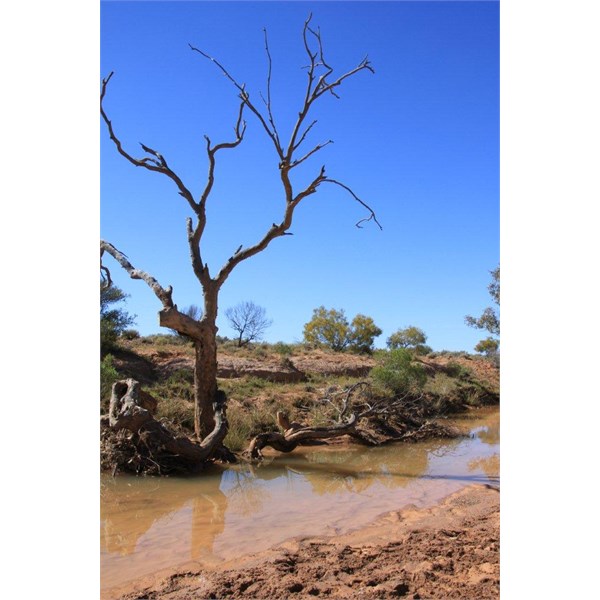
<point>194,513</point>
<point>245,495</point>
<point>129,510</point>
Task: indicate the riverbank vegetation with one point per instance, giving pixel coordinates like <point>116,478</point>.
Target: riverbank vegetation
<point>294,384</point>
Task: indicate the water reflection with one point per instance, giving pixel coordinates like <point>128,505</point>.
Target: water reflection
<point>149,524</point>
<point>245,496</point>
<point>130,508</point>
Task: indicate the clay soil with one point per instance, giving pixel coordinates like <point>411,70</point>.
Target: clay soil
<point>448,551</point>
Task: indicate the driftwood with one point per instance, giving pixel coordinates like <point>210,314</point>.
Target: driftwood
<point>298,435</point>
<point>383,420</point>
<point>295,434</point>
<point>132,409</point>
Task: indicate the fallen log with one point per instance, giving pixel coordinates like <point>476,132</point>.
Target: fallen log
<point>389,419</point>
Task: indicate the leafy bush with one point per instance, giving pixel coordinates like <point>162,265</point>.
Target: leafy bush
<point>398,373</point>
<point>489,346</point>
<point>113,321</point>
<point>164,339</point>
<point>108,375</point>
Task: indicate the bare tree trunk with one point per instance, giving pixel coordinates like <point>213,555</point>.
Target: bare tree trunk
<point>205,381</point>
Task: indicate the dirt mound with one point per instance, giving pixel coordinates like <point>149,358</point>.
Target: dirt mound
<point>147,363</point>
<point>131,364</point>
<point>334,364</point>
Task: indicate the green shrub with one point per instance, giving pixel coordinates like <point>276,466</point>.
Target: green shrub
<point>398,374</point>
<point>423,350</point>
<point>442,385</point>
<point>108,375</point>
<point>454,369</point>
<point>283,349</point>
<point>130,334</point>
<point>113,321</point>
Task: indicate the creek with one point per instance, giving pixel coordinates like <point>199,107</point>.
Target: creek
<point>151,524</point>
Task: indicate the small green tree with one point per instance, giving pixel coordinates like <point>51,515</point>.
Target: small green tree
<point>330,328</point>
<point>411,338</point>
<point>113,321</point>
<point>489,346</point>
<point>398,373</point>
<point>490,318</point>
<point>363,332</point>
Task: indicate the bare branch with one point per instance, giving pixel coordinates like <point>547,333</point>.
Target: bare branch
<point>299,143</point>
<point>321,89</point>
<point>105,275</point>
<point>314,91</point>
<point>164,295</point>
<point>309,154</point>
<point>372,213</point>
<point>311,188</point>
<point>321,81</point>
<point>268,102</point>
<point>158,164</point>
<point>240,129</point>
<point>194,235</point>
<point>105,279</point>
<point>245,97</point>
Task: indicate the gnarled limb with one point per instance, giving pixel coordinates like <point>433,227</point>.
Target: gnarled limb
<point>344,403</point>
<point>131,409</point>
<point>298,436</point>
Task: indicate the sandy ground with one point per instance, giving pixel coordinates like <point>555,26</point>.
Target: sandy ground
<point>448,551</point>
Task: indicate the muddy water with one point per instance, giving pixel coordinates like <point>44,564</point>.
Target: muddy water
<point>152,524</point>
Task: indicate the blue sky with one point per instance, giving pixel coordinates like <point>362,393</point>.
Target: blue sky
<point>418,141</point>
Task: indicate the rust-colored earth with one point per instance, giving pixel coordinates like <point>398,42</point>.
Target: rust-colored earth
<point>448,551</point>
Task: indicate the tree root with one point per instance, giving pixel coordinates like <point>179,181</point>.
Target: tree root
<point>133,440</point>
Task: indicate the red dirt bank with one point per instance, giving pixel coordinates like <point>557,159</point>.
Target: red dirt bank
<point>448,551</point>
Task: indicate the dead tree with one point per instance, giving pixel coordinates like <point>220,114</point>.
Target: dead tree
<point>249,321</point>
<point>389,419</point>
<point>320,81</point>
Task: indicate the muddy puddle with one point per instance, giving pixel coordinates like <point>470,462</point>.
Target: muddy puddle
<point>148,525</point>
